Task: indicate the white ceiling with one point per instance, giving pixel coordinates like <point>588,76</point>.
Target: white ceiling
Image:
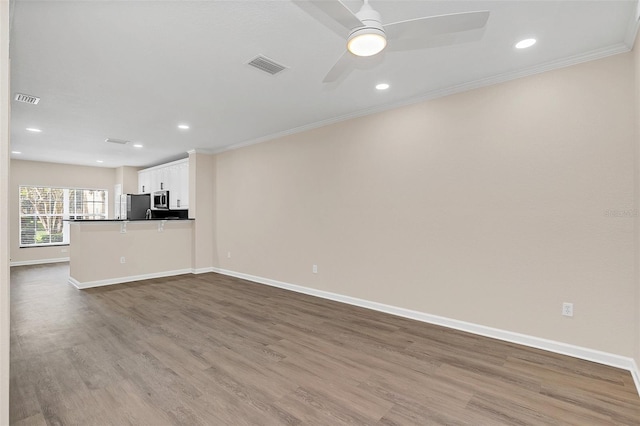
<point>133,70</point>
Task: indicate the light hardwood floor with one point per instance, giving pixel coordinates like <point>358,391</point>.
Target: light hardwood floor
<point>213,350</point>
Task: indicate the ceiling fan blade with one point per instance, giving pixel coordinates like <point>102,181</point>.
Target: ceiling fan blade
<point>341,69</point>
<point>335,9</point>
<point>431,26</point>
<point>369,62</point>
<point>450,39</point>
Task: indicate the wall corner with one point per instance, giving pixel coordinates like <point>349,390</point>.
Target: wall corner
<point>4,212</point>
<point>636,74</point>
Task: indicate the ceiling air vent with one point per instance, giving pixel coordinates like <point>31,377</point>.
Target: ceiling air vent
<point>20,97</point>
<point>119,141</point>
<point>267,65</point>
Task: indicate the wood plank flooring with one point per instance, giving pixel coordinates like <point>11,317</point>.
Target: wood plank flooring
<point>214,350</point>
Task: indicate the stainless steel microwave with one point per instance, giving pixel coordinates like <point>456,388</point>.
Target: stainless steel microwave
<point>161,200</point>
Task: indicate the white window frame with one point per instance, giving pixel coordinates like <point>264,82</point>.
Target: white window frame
<point>66,214</point>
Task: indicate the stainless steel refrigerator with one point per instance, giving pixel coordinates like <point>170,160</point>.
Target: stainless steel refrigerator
<point>134,206</point>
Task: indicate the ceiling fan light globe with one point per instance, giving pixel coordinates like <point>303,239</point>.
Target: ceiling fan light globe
<point>367,42</point>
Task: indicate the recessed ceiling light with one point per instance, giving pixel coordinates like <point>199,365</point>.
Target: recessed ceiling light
<point>183,126</point>
<point>33,129</point>
<point>16,152</point>
<point>99,161</point>
<point>527,42</point>
<point>137,145</point>
<point>382,86</point>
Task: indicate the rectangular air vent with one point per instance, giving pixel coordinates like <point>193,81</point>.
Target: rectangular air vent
<point>119,141</point>
<point>267,65</point>
<point>20,97</point>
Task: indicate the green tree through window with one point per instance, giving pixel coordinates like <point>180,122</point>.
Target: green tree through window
<point>43,210</point>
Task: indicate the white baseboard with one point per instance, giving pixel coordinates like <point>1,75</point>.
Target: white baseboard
<point>38,261</point>
<point>600,357</point>
<point>635,373</point>
<point>119,280</point>
<point>202,270</point>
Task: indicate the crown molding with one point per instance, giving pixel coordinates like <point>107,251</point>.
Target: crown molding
<point>632,28</point>
<point>440,93</point>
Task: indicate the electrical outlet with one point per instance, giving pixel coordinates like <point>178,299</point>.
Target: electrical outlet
<point>228,255</point>
<point>64,250</point>
<point>567,309</point>
<point>315,269</point>
<point>123,260</point>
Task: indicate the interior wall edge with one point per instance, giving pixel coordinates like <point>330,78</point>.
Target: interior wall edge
<point>593,355</point>
<point>636,177</point>
<point>5,143</point>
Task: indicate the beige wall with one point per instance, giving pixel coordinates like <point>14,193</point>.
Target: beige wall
<point>202,208</point>
<point>4,212</point>
<point>50,174</point>
<point>128,178</point>
<point>492,206</point>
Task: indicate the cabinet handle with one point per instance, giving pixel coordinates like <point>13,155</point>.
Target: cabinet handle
<point>178,203</point>
<point>161,185</point>
<point>143,188</point>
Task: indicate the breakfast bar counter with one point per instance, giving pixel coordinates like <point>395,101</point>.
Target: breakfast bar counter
<point>104,252</point>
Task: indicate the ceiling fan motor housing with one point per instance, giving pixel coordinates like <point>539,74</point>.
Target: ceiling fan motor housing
<point>372,29</point>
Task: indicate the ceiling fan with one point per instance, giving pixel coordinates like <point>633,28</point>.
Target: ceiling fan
<point>368,36</point>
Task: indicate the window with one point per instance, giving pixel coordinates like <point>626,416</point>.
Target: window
<point>43,210</point>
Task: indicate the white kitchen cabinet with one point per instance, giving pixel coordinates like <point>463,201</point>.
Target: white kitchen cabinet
<point>173,185</point>
<point>178,176</point>
<point>144,182</point>
<point>183,173</point>
<point>172,177</point>
<point>159,179</point>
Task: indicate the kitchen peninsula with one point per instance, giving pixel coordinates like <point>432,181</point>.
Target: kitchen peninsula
<point>104,252</point>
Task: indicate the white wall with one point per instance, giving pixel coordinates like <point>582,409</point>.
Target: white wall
<point>492,207</point>
<point>4,216</point>
<point>636,65</point>
<point>55,175</point>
